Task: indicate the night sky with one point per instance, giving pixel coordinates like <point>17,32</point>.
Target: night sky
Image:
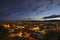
<point>28,9</point>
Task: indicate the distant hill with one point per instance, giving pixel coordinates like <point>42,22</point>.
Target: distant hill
<point>52,16</point>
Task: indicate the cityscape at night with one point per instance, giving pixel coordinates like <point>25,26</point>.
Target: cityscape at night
<point>30,30</point>
<point>29,19</point>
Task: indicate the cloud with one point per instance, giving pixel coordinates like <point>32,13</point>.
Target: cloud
<point>27,8</point>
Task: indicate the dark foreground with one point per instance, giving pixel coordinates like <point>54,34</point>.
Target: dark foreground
<point>29,30</point>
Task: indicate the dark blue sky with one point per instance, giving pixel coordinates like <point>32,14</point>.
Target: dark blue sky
<point>27,9</point>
